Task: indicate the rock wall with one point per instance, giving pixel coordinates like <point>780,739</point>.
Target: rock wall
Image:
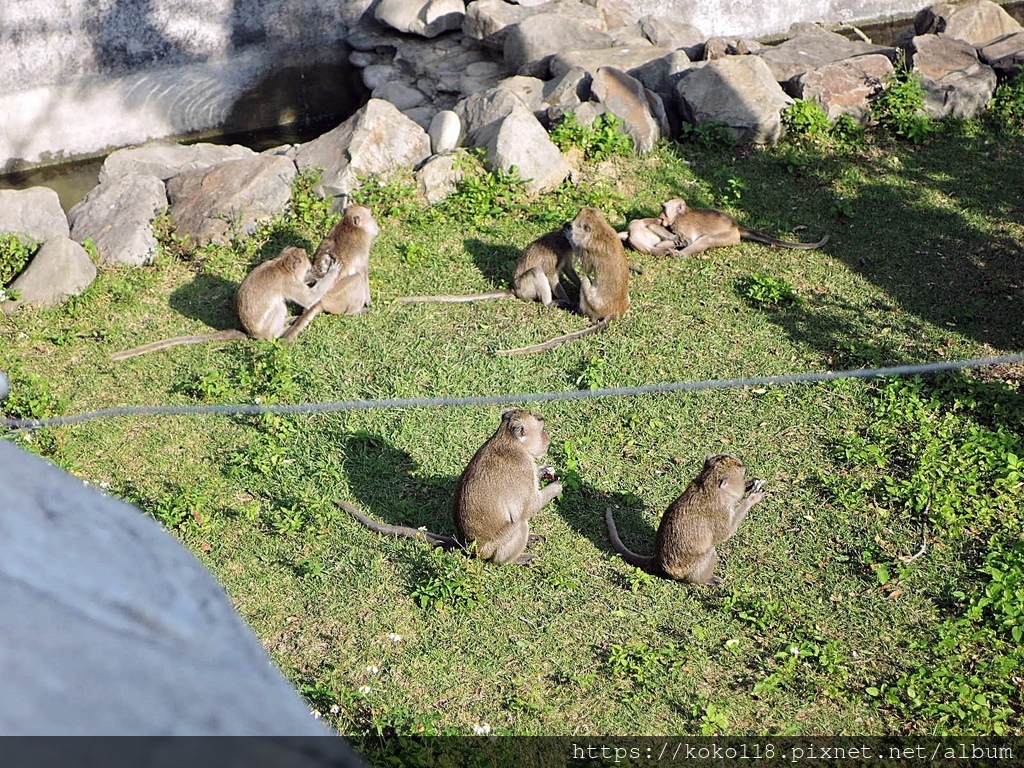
<point>81,77</point>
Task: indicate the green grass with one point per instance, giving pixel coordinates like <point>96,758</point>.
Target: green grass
<point>822,626</point>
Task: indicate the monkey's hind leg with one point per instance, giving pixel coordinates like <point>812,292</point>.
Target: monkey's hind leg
<point>508,545</point>
<point>701,572</point>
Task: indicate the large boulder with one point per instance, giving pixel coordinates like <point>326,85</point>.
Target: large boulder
<point>737,91</point>
<point>231,199</point>
<point>109,626</point>
<point>375,140</point>
<point>845,87</point>
<point>60,268</point>
<point>118,216</point>
<point>810,47</point>
<point>427,18</point>
<point>955,82</point>
<point>976,21</point>
<point>165,159</point>
<point>530,44</point>
<point>34,214</point>
<point>489,21</point>
<point>1005,54</point>
<point>670,32</point>
<point>640,110</point>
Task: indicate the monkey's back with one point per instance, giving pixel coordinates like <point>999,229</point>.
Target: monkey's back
<point>490,491</point>
<point>686,532</point>
<point>545,253</point>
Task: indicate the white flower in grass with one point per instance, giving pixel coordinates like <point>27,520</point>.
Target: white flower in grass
<point>394,638</point>
<point>372,669</point>
<point>335,709</point>
<point>364,689</point>
<point>481,729</point>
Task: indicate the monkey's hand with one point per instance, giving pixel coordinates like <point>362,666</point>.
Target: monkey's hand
<point>546,473</point>
<point>755,489</point>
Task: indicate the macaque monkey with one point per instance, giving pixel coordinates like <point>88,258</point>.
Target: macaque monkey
<point>348,245</point>
<point>603,272</point>
<point>705,228</point>
<point>535,278</point>
<point>650,237</point>
<point>261,301</point>
<point>497,494</point>
<point>707,513</point>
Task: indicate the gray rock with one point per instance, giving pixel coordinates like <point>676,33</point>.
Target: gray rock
<point>529,89</point>
<point>568,89</point>
<point>421,115</point>
<point>427,18</point>
<point>520,141</point>
<point>976,21</point>
<point>845,87</point>
<point>479,76</point>
<point>231,199</point>
<point>625,59</point>
<point>481,112</point>
<point>810,47</point>
<point>489,21</point>
<point>438,177</point>
<point>738,91</point>
<point>530,44</point>
<point>587,112</point>
<point>669,32</point>
<point>376,139</point>
<point>400,94</point>
<point>34,214</point>
<point>131,635</point>
<point>60,268</point>
<point>661,75</point>
<point>166,159</point>
<point>720,47</point>
<point>1004,54</point>
<point>376,75</point>
<point>641,111</point>
<point>955,82</point>
<point>118,215</point>
<point>445,131</point>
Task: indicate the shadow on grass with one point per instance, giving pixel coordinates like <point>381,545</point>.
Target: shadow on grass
<point>495,261</point>
<point>209,299</point>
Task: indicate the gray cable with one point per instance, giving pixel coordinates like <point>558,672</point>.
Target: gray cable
<point>583,394</point>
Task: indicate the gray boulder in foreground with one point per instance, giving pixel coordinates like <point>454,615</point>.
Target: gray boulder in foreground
<point>61,268</point>
<point>34,214</point>
<point>118,215</point>
<point>109,626</point>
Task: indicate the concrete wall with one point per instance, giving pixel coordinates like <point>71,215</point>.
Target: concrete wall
<point>81,76</point>
<point>78,77</point>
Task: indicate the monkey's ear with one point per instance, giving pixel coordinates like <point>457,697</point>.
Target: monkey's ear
<point>357,220</point>
<point>519,431</point>
<point>507,413</point>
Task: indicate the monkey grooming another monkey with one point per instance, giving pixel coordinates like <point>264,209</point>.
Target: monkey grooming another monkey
<point>603,272</point>
<point>535,278</point>
<point>705,228</point>
<point>348,245</point>
<point>261,301</point>
<point>707,513</point>
<point>650,237</point>
<point>497,494</point>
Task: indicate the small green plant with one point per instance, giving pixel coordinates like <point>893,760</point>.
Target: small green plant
<point>603,138</point>
<point>711,134</point>
<point>482,195</point>
<point>847,130</point>
<point>1007,108</point>
<point>448,579</point>
<point>767,290</point>
<point>596,373</point>
<point>734,188</point>
<point>392,194</point>
<point>899,107</point>
<point>306,207</point>
<point>714,719</point>
<point>14,255</point>
<point>806,117</point>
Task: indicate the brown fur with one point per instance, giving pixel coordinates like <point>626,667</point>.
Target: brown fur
<point>603,272</point>
<point>707,513</point>
<point>261,301</point>
<point>348,245</point>
<point>704,228</point>
<point>535,278</point>
<point>651,237</point>
<point>497,494</point>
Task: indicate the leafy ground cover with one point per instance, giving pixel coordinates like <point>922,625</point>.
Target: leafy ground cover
<point>876,590</point>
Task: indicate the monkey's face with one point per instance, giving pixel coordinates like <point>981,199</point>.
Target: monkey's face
<point>670,210</point>
<point>361,218</point>
<point>579,230</point>
<point>527,429</point>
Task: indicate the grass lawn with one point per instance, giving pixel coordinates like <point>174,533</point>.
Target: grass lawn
<point>825,624</point>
